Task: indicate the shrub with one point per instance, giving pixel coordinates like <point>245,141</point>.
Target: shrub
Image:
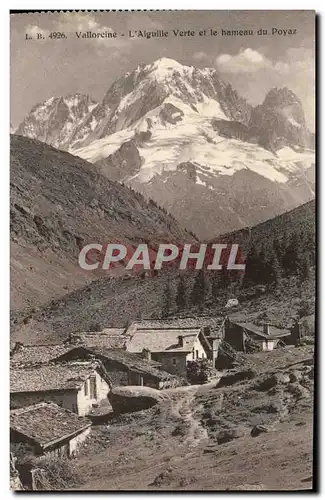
<point>200,371</point>
<point>50,473</point>
<point>23,452</point>
<point>57,473</point>
<point>95,327</point>
<point>305,309</point>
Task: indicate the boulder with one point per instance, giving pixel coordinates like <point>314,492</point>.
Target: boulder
<point>258,429</point>
<point>295,376</point>
<point>129,399</point>
<point>271,407</point>
<point>232,303</point>
<point>270,381</point>
<point>228,435</point>
<point>298,390</point>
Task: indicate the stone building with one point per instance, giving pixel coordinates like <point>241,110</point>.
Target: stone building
<point>48,429</point>
<point>171,346</point>
<point>125,368</point>
<point>243,335</point>
<point>76,386</point>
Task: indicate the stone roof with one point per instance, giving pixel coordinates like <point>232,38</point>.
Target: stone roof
<point>133,362</point>
<point>47,423</point>
<point>51,377</point>
<point>26,354</point>
<point>163,339</point>
<point>128,360</point>
<point>182,322</point>
<point>274,332</point>
<point>211,325</point>
<point>112,338</point>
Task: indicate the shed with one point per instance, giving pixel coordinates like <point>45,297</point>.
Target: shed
<point>48,429</point>
<point>243,335</point>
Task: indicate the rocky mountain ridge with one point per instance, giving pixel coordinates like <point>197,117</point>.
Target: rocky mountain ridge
<point>184,138</point>
<point>55,120</point>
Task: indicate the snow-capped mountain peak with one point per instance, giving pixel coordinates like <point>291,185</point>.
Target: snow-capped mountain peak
<point>185,138</point>
<point>55,120</point>
<point>132,96</point>
<point>166,64</point>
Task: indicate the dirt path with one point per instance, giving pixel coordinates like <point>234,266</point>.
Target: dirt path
<point>182,401</point>
<point>174,445</point>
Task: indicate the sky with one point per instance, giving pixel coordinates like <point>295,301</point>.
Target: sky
<point>253,64</point>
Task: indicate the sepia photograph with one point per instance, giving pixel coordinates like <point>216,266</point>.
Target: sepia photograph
<point>162,251</point>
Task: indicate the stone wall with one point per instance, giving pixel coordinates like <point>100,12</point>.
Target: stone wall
<point>172,362</point>
<point>66,399</point>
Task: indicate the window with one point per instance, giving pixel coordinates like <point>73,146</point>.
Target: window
<point>174,361</point>
<point>193,353</point>
<point>74,407</point>
<point>86,388</point>
<point>92,387</point>
<point>197,354</point>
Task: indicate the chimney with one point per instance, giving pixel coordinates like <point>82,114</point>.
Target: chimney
<point>146,354</point>
<point>180,341</point>
<point>266,329</point>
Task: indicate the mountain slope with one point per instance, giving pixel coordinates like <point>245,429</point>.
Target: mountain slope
<point>107,300</point>
<point>300,219</point>
<point>60,203</point>
<point>55,120</point>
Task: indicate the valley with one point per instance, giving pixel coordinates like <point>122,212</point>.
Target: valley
<point>163,237</point>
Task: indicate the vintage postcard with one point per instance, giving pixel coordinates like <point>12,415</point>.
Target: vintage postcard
<point>162,251</point>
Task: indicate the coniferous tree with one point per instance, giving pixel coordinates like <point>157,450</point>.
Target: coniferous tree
<point>253,268</point>
<point>225,280</point>
<point>215,284</point>
<point>303,267</point>
<point>167,300</point>
<point>293,255</point>
<point>275,269</point>
<point>265,274</point>
<point>200,289</point>
<point>181,297</point>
